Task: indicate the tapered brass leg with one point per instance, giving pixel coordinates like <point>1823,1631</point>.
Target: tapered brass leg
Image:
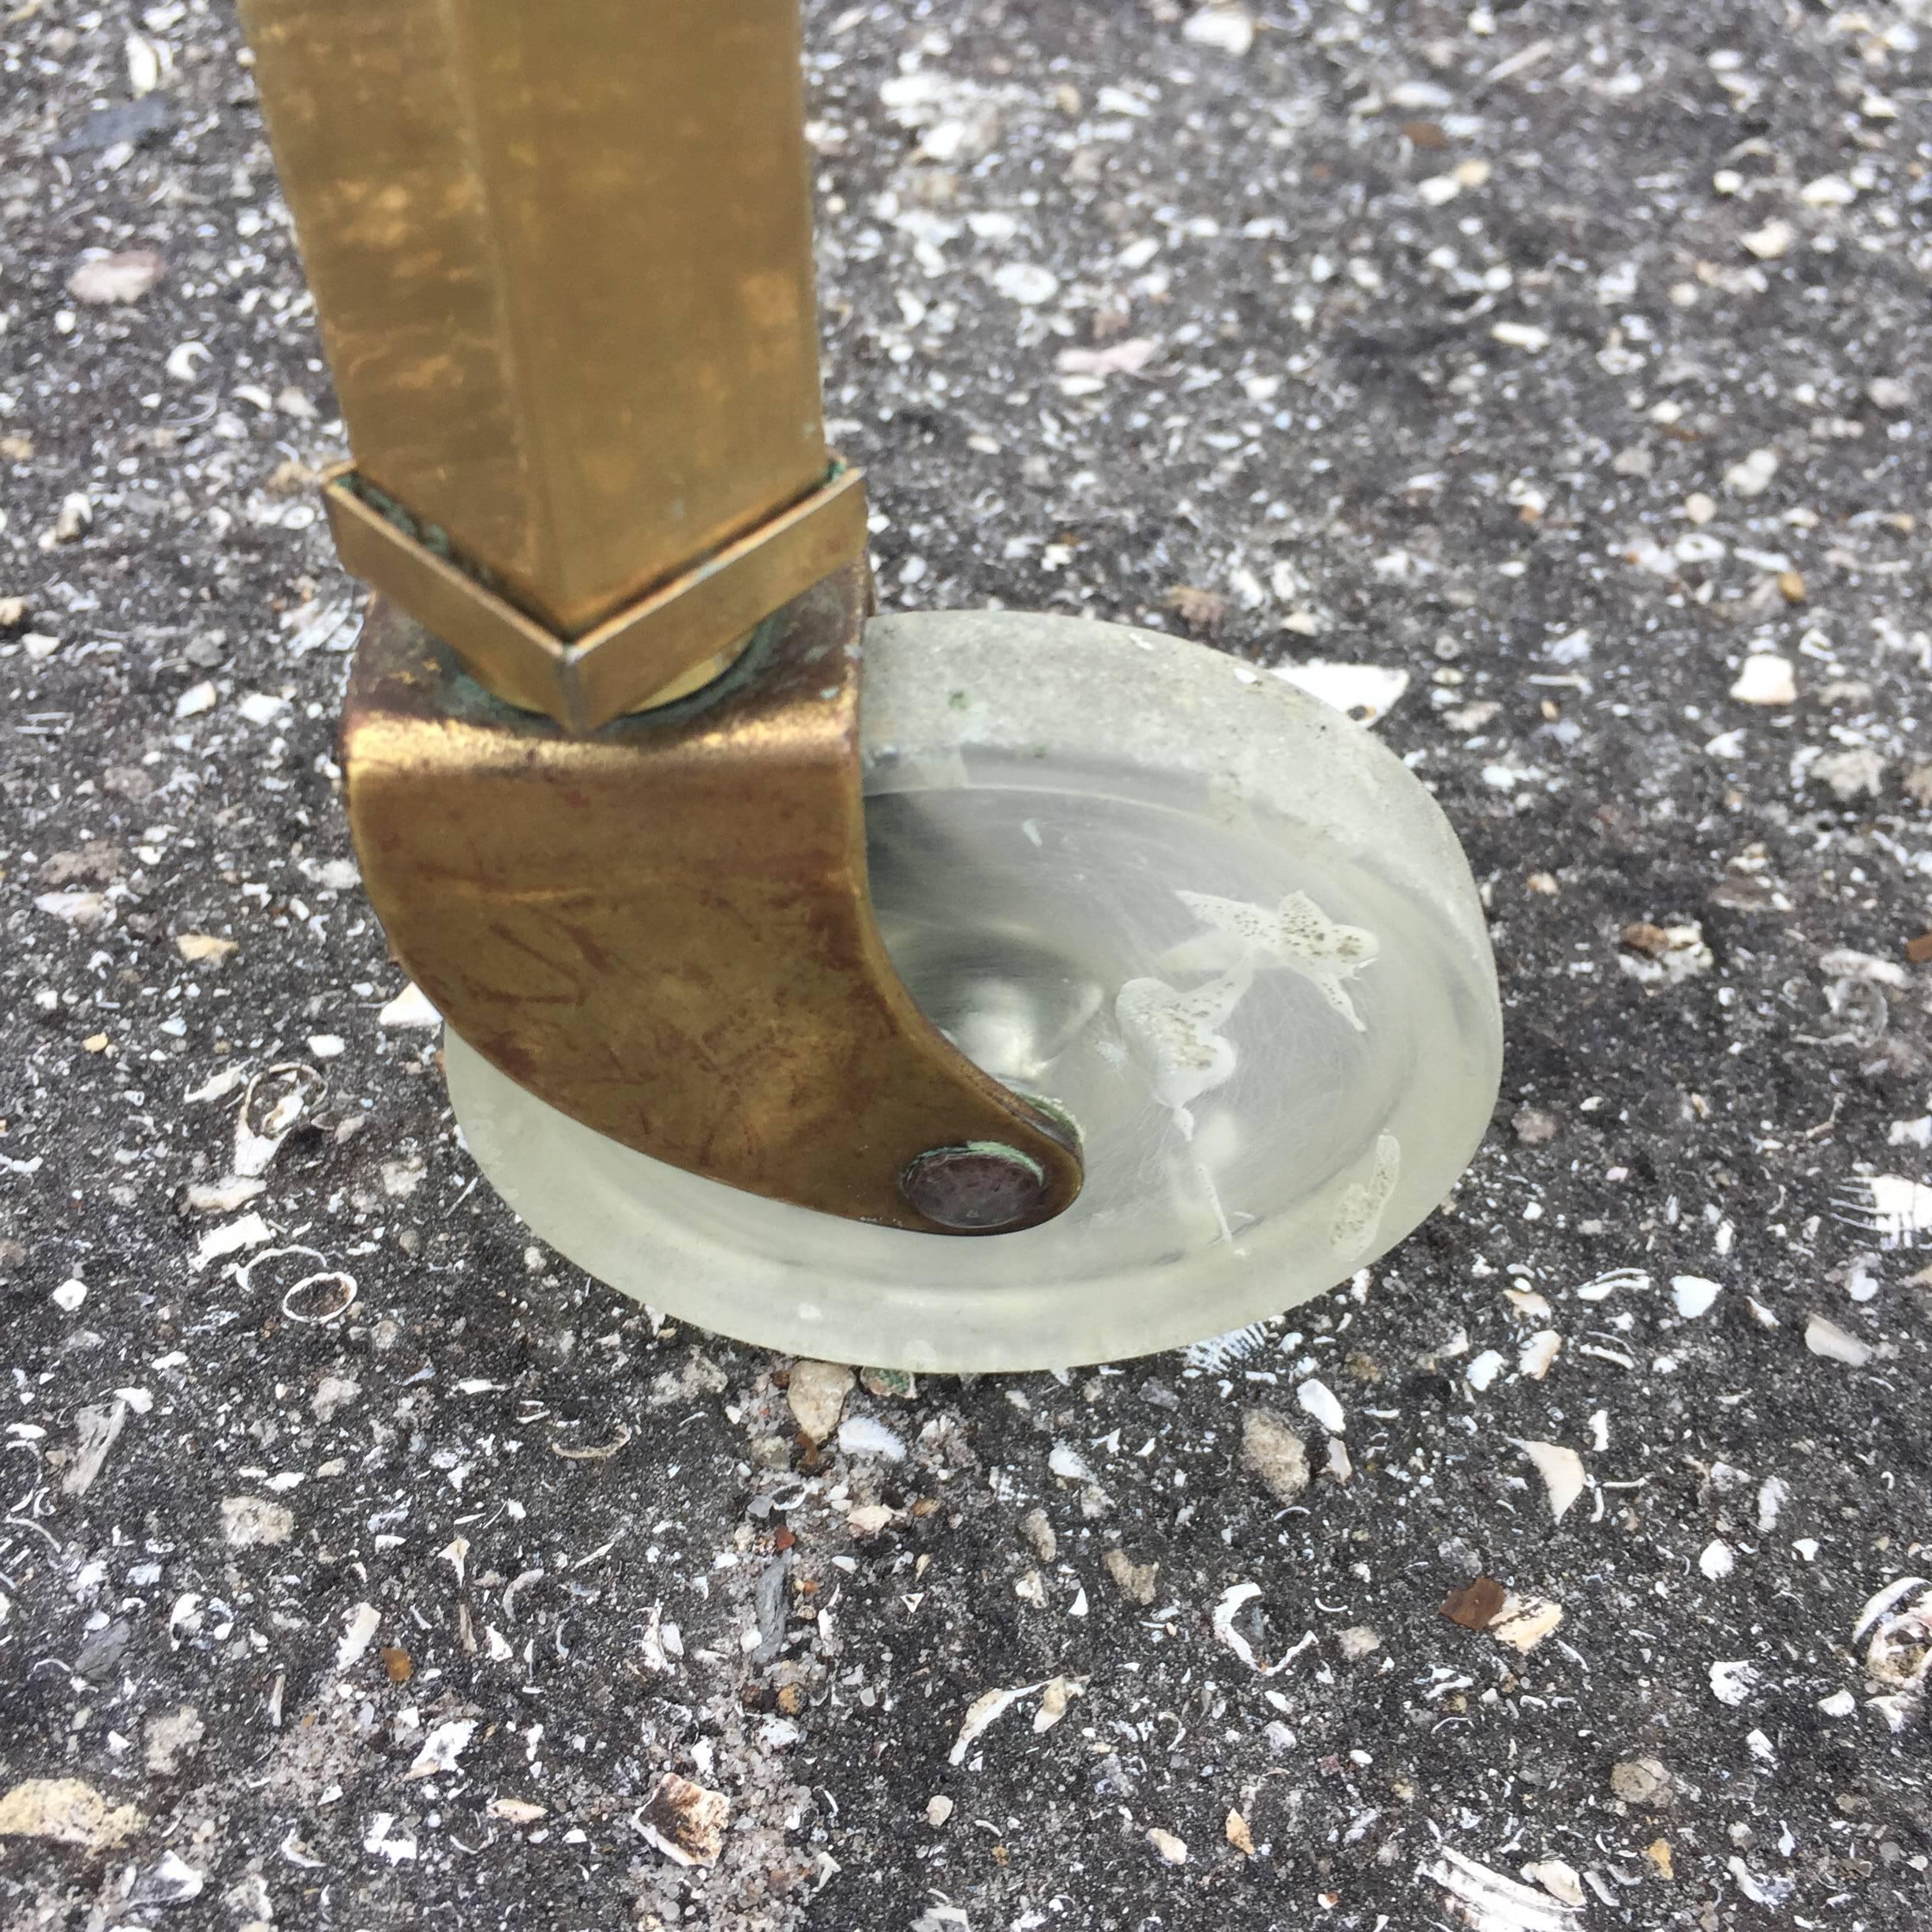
<point>562,261</point>
<point>561,255</point>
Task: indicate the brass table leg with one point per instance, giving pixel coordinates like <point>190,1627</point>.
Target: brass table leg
<point>562,260</point>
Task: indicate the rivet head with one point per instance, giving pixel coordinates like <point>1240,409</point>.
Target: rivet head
<point>976,1189</point>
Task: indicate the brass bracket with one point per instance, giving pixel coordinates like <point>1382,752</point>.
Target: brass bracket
<point>670,642</point>
<point>663,928</point>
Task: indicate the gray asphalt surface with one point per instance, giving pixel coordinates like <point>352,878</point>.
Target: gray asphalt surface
<point>1569,358</point>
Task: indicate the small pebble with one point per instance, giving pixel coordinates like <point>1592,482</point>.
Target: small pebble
<point>1850,775</point>
<point>816,1395</point>
<point>1226,28</point>
<point>1643,1782</point>
<point>1521,335</point>
<point>1039,1535</point>
<point>1766,678</point>
<point>1274,1454</point>
<point>1694,1295</point>
<point>1136,1582</point>
<point>1557,1878</point>
<point>1026,283</point>
<point>248,1521</point>
<point>1752,476</point>
<point>1825,1337</point>
<point>1320,1400</point>
<point>1773,240</point>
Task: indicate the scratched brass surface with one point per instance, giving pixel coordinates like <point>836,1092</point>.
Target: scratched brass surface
<point>664,929</point>
<point>561,255</point>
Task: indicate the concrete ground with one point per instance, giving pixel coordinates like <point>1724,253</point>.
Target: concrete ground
<point>1568,358</point>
